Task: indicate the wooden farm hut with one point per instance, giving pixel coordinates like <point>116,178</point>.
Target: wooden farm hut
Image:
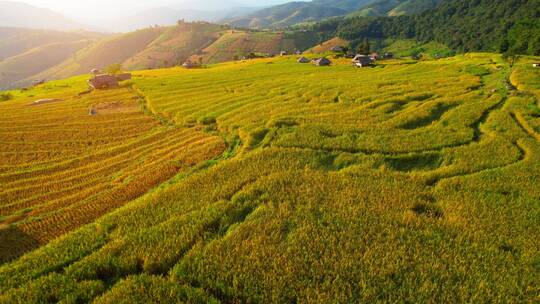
<point>362,61</point>
<point>188,65</point>
<point>322,62</point>
<point>100,82</point>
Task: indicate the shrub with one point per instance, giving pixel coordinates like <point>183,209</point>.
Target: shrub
<point>6,96</point>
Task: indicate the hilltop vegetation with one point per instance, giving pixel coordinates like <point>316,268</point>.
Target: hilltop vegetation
<point>396,7</point>
<point>413,181</point>
<point>484,25</point>
<point>294,13</point>
<point>175,45</point>
<point>234,44</point>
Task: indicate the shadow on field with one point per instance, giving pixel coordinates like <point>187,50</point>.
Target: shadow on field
<point>14,243</point>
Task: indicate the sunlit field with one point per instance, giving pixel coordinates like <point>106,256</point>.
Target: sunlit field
<point>271,181</point>
<point>61,168</point>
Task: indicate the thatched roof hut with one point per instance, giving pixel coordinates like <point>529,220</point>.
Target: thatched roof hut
<point>322,61</point>
<point>362,61</point>
<point>188,65</point>
<point>103,82</point>
<point>302,60</point>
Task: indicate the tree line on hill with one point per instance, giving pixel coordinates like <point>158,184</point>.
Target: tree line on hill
<point>506,26</point>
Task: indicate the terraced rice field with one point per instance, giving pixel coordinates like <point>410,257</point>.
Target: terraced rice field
<point>61,168</point>
<point>407,182</point>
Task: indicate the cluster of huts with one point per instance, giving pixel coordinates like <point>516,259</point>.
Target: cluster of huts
<point>102,81</point>
<point>357,60</point>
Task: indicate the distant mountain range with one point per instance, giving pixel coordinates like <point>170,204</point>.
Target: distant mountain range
<point>297,12</point>
<point>17,14</point>
<point>21,15</point>
<point>301,12</point>
<point>167,16</point>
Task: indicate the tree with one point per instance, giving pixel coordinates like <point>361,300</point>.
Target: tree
<point>364,47</point>
<point>5,96</point>
<point>114,69</point>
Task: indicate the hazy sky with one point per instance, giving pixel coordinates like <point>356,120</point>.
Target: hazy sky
<point>107,8</point>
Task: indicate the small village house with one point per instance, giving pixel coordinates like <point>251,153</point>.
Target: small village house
<point>100,82</point>
<point>337,49</point>
<point>388,55</point>
<point>188,65</point>
<point>322,61</point>
<point>362,61</point>
<point>302,60</point>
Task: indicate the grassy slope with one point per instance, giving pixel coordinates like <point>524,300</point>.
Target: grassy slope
<point>241,43</point>
<point>162,47</point>
<point>175,46</point>
<point>405,48</point>
<point>329,45</point>
<point>36,60</point>
<point>116,49</point>
<point>396,7</point>
<point>15,41</point>
<point>417,184</point>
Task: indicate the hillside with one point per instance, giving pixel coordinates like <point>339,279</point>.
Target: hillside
<point>18,14</point>
<point>107,51</point>
<point>157,48</point>
<point>34,61</point>
<point>16,41</point>
<point>291,185</point>
<point>397,7</point>
<point>502,25</point>
<point>236,44</point>
<point>175,45</point>
<point>328,45</point>
<point>291,13</point>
